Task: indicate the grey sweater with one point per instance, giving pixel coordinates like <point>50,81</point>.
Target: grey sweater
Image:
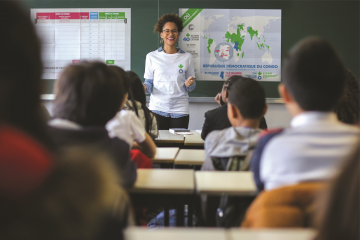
<point>230,142</point>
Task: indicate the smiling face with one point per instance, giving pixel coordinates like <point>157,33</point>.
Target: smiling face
<point>168,34</point>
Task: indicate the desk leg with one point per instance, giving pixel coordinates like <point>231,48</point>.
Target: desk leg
<point>180,216</point>
<point>166,216</point>
<point>190,214</point>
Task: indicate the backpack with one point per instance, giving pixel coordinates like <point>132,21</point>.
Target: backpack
<point>232,209</point>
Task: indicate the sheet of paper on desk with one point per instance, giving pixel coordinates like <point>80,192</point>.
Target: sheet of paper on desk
<point>184,133</point>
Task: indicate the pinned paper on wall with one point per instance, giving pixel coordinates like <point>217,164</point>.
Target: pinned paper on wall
<point>71,35</point>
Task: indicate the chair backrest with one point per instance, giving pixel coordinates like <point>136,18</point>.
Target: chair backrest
<point>290,206</point>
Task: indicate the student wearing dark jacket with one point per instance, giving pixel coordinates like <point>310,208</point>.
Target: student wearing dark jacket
<point>88,95</point>
<point>217,118</point>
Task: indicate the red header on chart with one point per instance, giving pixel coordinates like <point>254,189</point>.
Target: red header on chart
<point>62,15</point>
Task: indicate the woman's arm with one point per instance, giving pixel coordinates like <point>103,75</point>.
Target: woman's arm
<point>148,84</point>
<point>148,75</point>
<point>190,83</point>
<point>190,88</point>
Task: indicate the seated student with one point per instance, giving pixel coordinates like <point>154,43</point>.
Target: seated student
<point>246,107</point>
<point>137,103</point>
<point>44,195</point>
<point>20,90</point>
<point>337,207</point>
<point>217,118</point>
<point>313,81</point>
<point>128,127</point>
<point>347,109</point>
<point>74,197</point>
<point>88,95</point>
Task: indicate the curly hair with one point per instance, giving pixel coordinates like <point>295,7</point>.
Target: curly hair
<point>347,109</point>
<point>169,18</point>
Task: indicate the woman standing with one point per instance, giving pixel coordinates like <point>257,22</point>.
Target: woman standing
<point>169,76</point>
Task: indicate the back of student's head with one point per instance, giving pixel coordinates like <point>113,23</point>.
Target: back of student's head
<point>313,73</point>
<point>125,78</point>
<point>348,108</point>
<point>248,96</point>
<point>136,87</point>
<point>230,81</point>
<point>89,93</point>
<point>20,71</point>
<point>137,93</point>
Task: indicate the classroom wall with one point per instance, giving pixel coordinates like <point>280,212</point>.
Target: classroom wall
<point>277,115</point>
<point>337,21</point>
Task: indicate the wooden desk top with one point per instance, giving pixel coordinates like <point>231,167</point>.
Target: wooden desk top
<point>271,234</point>
<point>166,137</point>
<point>190,157</point>
<point>193,140</point>
<point>137,233</point>
<point>168,181</point>
<point>165,154</point>
<point>229,182</point>
<point>140,233</point>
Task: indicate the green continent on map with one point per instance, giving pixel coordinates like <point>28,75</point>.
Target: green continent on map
<point>236,38</point>
<point>252,32</point>
<point>210,41</point>
<point>241,26</point>
<point>262,46</point>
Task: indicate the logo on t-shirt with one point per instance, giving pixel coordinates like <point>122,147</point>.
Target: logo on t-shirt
<point>180,70</point>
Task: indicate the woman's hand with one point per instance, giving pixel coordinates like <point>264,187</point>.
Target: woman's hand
<point>190,81</point>
<point>144,87</point>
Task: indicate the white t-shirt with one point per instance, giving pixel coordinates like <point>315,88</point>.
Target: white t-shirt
<point>169,72</point>
<point>126,126</point>
<point>154,129</point>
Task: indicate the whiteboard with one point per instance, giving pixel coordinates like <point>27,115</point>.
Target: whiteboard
<point>71,35</point>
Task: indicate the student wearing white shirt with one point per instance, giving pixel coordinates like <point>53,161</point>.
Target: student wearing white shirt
<point>137,103</point>
<point>169,76</point>
<point>128,127</point>
<point>311,150</point>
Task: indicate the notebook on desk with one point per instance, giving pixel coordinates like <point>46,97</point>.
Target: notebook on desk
<point>178,130</point>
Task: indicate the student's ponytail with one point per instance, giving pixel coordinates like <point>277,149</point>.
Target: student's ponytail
<point>137,94</point>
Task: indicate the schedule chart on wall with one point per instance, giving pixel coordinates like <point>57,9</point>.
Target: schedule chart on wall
<point>72,35</point>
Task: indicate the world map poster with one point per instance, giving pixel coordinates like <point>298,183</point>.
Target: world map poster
<point>227,42</point>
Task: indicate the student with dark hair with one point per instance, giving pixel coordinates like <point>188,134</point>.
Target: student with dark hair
<point>217,118</point>
<point>20,89</point>
<point>127,126</point>
<point>246,106</point>
<point>313,82</point>
<point>337,207</point>
<point>88,95</point>
<point>348,108</point>
<point>230,149</point>
<point>44,194</point>
<point>137,103</point>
